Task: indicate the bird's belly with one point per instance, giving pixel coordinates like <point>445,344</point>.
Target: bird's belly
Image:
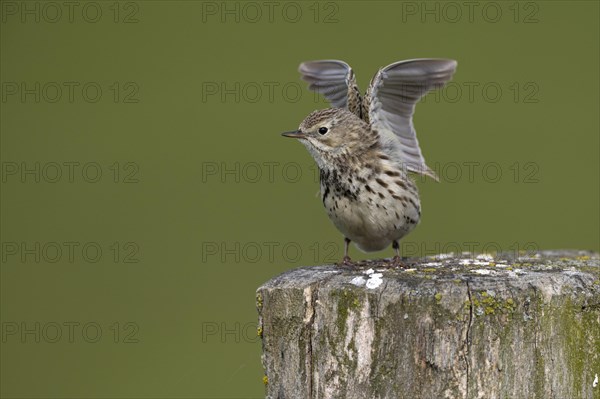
<point>372,222</point>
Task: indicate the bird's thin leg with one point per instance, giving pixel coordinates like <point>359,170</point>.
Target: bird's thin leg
<point>396,260</point>
<point>346,260</point>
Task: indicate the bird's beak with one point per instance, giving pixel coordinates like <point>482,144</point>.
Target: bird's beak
<point>296,134</point>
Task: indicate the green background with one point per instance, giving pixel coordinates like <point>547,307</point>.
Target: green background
<point>202,240</point>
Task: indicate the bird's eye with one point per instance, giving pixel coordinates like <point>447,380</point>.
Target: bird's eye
<point>322,130</point>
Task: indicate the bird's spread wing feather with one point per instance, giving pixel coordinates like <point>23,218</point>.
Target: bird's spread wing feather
<point>335,81</point>
<point>390,103</point>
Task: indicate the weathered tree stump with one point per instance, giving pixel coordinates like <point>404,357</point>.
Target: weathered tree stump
<point>446,327</point>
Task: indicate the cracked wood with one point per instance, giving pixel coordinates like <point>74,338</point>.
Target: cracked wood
<point>525,326</point>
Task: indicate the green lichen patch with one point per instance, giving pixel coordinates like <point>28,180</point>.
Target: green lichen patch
<point>485,303</point>
<point>509,305</point>
<point>347,301</point>
<point>259,301</point>
<point>581,332</point>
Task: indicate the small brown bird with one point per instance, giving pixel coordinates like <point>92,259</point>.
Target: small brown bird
<point>365,147</point>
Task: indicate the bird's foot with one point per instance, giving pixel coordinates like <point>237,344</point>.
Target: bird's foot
<point>346,261</point>
<point>397,262</point>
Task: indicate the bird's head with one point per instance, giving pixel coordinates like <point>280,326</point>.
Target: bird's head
<point>331,132</point>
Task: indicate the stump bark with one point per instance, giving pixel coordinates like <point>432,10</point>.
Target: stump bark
<point>448,326</point>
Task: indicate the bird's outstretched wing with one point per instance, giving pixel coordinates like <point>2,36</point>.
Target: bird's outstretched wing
<point>335,81</point>
<point>390,103</point>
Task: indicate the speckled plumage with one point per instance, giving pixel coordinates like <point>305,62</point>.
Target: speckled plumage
<point>367,195</point>
<point>365,147</point>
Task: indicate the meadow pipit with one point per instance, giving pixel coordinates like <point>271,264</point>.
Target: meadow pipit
<point>365,148</point>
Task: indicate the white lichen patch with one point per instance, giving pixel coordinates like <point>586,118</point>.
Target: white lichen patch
<point>516,273</point>
<point>375,280</point>
<point>358,281</point>
<point>473,262</point>
<point>432,264</point>
<point>370,271</point>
